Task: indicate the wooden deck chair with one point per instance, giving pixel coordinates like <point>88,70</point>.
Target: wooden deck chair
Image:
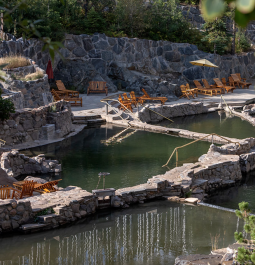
<point>231,81</point>
<point>194,90</point>
<point>146,96</point>
<point>186,93</point>
<point>134,99</point>
<point>73,101</point>
<point>6,192</point>
<point>239,82</point>
<point>124,104</point>
<point>97,87</point>
<point>224,81</point>
<point>219,84</point>
<point>219,90</point>
<point>204,91</point>
<point>62,89</point>
<point>48,187</point>
<point>239,76</point>
<point>244,83</point>
<point>26,191</point>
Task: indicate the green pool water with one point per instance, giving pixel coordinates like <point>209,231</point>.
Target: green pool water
<point>214,122</point>
<point>153,234</point>
<point>129,162</point>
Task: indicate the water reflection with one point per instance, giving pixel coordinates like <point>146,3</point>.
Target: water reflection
<point>152,234</point>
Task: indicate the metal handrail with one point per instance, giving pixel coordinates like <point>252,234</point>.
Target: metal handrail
<point>176,148</point>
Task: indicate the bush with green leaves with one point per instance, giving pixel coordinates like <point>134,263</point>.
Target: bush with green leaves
<point>245,255</point>
<point>6,108</point>
<point>242,42</point>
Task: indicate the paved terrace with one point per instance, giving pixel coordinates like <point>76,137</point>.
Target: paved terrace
<point>92,105</point>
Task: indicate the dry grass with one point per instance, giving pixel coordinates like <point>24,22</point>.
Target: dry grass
<point>34,76</point>
<point>14,61</point>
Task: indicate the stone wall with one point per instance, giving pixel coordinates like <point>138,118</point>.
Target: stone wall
<point>32,124</point>
<point>15,164</point>
<point>126,63</point>
<point>35,93</point>
<point>171,111</point>
<point>247,162</point>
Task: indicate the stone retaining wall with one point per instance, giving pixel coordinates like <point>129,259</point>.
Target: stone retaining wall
<point>35,93</point>
<point>15,164</point>
<point>32,124</point>
<point>129,63</point>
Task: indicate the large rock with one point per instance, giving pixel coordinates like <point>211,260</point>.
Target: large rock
<point>197,259</point>
<point>5,179</point>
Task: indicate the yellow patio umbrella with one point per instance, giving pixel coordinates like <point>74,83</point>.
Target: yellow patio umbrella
<point>203,62</point>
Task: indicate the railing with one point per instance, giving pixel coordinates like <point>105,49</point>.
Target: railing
<point>200,139</point>
<point>2,142</point>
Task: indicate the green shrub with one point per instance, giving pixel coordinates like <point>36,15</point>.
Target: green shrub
<point>6,108</point>
<point>242,42</point>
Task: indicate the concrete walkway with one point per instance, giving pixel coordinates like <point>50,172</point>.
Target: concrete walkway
<point>92,105</point>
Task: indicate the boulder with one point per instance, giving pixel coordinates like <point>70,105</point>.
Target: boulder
<point>5,179</point>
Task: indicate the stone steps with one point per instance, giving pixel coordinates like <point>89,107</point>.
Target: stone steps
<point>89,121</point>
<point>46,219</point>
<point>87,117</point>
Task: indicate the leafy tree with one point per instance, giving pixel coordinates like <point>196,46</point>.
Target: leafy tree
<point>245,256</point>
<point>244,11</point>
<point>216,33</point>
<point>242,42</point>
<point>94,22</point>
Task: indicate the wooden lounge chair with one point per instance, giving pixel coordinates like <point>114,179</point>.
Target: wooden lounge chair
<point>219,84</point>
<point>194,90</point>
<point>134,99</point>
<point>125,104</point>
<point>47,187</point>
<point>204,91</point>
<point>219,90</point>
<point>6,192</point>
<point>239,76</point>
<point>186,93</point>
<point>238,80</point>
<point>97,87</point>
<point>62,89</point>
<point>73,101</point>
<point>146,96</point>
<point>231,81</point>
<point>26,191</point>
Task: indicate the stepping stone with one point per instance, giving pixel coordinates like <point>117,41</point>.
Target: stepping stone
<point>192,200</point>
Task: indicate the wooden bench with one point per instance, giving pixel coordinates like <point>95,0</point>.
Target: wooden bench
<point>97,87</point>
<point>74,101</point>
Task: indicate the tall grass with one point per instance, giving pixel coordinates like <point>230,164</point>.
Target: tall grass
<point>14,61</point>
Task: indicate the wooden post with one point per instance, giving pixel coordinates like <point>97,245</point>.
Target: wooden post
<point>2,26</point>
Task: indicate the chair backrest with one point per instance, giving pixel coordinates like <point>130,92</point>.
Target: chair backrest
<point>132,95</point>
<point>183,88</point>
<point>5,192</point>
<point>55,95</point>
<point>120,98</point>
<point>60,85</point>
<point>187,86</point>
<point>28,188</point>
<point>97,85</point>
<point>218,82</point>
<point>49,185</point>
<point>198,85</point>
<point>224,81</point>
<point>125,96</point>
<point>231,80</point>
<point>206,84</point>
<point>145,93</point>
<point>239,76</point>
<point>235,77</point>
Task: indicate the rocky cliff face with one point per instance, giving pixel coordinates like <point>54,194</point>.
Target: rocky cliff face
<point>131,64</point>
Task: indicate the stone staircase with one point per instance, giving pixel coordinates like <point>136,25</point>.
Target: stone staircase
<point>89,119</point>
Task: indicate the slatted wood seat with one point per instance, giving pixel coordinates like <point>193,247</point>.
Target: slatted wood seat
<point>239,82</point>
<point>187,92</point>
<point>219,84</point>
<point>62,89</point>
<point>125,104</point>
<point>74,101</point>
<point>204,91</point>
<point>26,190</point>
<point>146,96</point>
<point>97,87</point>
<point>47,187</point>
<point>219,90</point>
